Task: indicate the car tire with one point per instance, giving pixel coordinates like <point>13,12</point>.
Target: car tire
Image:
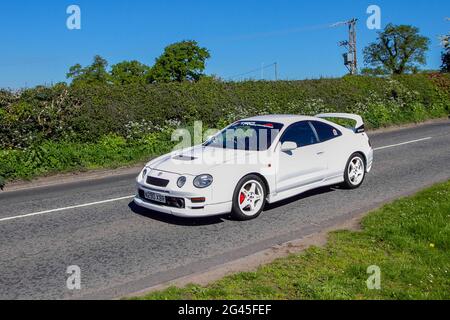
<point>355,171</point>
<point>249,198</point>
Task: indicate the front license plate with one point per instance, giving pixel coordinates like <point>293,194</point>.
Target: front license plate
<point>155,197</point>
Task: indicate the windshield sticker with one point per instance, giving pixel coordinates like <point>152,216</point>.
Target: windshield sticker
<point>254,124</point>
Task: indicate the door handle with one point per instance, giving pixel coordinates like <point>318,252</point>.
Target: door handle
<point>320,153</point>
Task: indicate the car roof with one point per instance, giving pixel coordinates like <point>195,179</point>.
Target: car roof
<point>285,119</point>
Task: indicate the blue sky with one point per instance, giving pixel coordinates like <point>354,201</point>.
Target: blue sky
<point>37,48</point>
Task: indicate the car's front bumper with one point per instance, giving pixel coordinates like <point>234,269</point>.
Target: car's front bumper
<point>369,160</point>
<point>190,209</point>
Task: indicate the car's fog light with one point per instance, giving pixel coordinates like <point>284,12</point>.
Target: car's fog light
<point>181,181</point>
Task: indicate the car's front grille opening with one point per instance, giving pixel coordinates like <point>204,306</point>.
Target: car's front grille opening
<point>157,182</point>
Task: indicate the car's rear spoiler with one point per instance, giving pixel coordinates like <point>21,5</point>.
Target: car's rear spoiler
<point>359,126</point>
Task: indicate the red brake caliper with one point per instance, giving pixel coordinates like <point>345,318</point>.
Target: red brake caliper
<point>241,198</point>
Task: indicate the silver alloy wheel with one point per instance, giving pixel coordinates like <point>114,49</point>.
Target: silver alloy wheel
<point>356,171</point>
<point>251,197</point>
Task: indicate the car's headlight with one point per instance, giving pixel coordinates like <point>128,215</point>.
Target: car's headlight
<point>181,181</point>
<point>203,181</point>
<point>144,173</point>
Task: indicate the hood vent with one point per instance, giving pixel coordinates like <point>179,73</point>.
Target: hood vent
<point>184,158</point>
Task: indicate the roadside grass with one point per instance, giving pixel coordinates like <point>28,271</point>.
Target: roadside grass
<point>408,239</point>
<point>50,157</point>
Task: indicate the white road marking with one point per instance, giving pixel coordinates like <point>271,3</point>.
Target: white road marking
<point>65,208</point>
<point>129,197</point>
<point>403,143</point>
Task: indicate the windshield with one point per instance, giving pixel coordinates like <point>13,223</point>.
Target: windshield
<point>246,135</point>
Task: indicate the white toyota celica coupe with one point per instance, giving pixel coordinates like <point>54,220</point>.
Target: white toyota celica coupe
<point>255,161</point>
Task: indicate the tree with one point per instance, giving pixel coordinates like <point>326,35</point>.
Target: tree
<point>181,61</point>
<point>445,67</point>
<point>399,49</point>
<point>128,72</point>
<point>373,71</point>
<point>93,74</point>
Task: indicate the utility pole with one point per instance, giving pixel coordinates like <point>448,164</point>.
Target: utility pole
<point>352,46</point>
<point>350,58</point>
<point>276,71</point>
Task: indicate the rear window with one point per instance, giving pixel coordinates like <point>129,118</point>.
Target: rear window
<point>325,131</point>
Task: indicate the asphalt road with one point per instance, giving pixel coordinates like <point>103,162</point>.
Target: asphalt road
<point>120,248</point>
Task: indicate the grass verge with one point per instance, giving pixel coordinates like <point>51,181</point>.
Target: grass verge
<point>50,157</point>
<point>408,239</point>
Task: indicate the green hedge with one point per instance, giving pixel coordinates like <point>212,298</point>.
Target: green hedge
<point>86,113</point>
<point>34,119</point>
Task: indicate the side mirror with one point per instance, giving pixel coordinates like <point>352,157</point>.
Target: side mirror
<point>288,146</point>
<point>210,139</point>
<point>211,135</point>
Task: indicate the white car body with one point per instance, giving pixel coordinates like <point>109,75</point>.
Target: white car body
<point>285,174</point>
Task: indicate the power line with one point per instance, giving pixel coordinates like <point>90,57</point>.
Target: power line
<point>350,58</point>
<point>260,69</point>
<point>282,32</point>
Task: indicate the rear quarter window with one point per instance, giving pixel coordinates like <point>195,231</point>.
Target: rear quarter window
<point>325,131</point>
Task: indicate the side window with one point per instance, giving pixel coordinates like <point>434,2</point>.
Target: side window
<point>325,131</point>
<point>300,133</point>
